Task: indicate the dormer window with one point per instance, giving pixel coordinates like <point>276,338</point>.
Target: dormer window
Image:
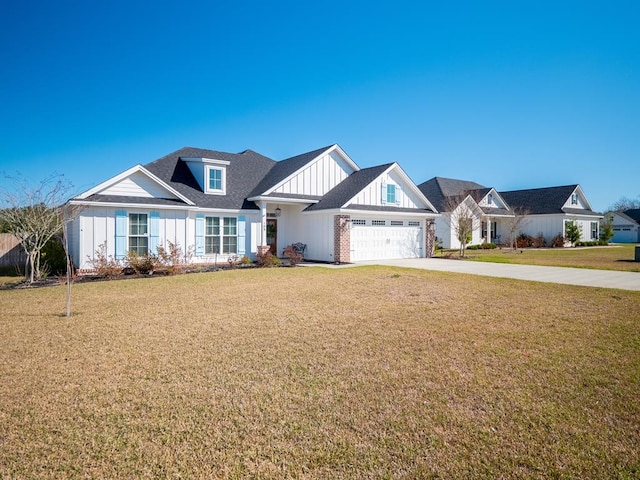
<point>215,180</point>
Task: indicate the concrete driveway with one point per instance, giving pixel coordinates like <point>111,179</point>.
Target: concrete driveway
<point>568,276</point>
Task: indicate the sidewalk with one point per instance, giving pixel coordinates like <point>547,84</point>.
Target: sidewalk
<point>568,276</point>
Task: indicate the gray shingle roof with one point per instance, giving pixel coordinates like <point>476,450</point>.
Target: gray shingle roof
<point>244,172</point>
<point>633,213</point>
<point>348,188</point>
<point>547,200</point>
<point>438,189</point>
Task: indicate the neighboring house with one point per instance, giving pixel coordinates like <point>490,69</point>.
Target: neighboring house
<point>456,199</point>
<point>626,226</point>
<point>222,204</point>
<point>548,210</point>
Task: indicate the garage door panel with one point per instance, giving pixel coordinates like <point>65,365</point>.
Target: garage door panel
<point>377,243</point>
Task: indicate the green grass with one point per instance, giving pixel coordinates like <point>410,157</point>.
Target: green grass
<point>615,257</point>
<point>365,372</point>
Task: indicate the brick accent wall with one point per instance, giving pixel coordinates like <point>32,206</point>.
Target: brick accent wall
<point>342,238</point>
<point>430,239</point>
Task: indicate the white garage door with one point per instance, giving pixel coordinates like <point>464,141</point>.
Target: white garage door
<point>383,242</point>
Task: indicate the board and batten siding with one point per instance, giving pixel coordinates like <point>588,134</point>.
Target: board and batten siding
<point>137,185</point>
<point>317,178</point>
<point>373,193</point>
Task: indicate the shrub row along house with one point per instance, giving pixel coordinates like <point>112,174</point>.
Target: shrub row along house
<point>219,204</point>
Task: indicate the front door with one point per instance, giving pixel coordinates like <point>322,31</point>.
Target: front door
<point>272,235</point>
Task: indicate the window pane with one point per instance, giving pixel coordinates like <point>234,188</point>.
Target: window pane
<point>138,224</point>
<point>230,226</point>
<point>229,245</point>
<point>211,245</point>
<point>391,194</point>
<point>215,179</point>
<point>139,245</point>
<point>212,226</point>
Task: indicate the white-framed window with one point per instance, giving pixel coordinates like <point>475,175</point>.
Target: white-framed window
<point>594,230</point>
<point>490,199</point>
<point>220,235</point>
<point>574,199</point>
<point>139,233</point>
<point>215,180</point>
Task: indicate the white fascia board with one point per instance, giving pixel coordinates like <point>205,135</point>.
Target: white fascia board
<point>131,171</point>
<point>205,160</point>
<point>333,148</point>
<point>297,201</point>
<point>369,213</point>
<point>128,205</point>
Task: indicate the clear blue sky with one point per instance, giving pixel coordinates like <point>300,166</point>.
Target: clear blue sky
<point>508,94</point>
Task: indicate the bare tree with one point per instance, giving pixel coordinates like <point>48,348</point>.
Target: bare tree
<point>624,203</point>
<point>33,214</point>
<point>515,223</point>
<point>463,217</point>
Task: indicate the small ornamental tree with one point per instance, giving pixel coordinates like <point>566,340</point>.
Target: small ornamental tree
<point>461,219</point>
<point>606,229</point>
<point>572,232</point>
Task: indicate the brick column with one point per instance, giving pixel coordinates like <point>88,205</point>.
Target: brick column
<point>430,238</point>
<point>341,238</point>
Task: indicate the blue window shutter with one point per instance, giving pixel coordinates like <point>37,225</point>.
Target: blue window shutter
<point>121,234</point>
<point>383,193</point>
<point>199,235</point>
<point>154,231</point>
<point>242,235</point>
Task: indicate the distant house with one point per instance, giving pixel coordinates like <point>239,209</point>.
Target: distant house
<point>549,210</point>
<point>461,198</point>
<point>222,204</point>
<point>626,226</point>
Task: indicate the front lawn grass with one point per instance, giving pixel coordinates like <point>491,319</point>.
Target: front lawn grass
<point>614,257</point>
<point>366,372</point>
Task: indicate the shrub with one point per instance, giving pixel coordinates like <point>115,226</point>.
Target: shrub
<point>573,232</point>
<point>54,261</point>
<point>488,246</point>
<point>103,265</point>
<point>524,241</point>
<point>291,254</point>
<point>142,264</point>
<point>245,261</point>
<point>267,259</point>
<point>172,258</point>
<point>473,247</point>
<point>539,241</point>
<point>557,241</point>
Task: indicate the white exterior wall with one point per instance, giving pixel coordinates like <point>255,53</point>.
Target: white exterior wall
<point>317,178</point>
<point>137,185</point>
<point>96,225</point>
<point>373,194</point>
<point>316,231</point>
<point>552,225</point>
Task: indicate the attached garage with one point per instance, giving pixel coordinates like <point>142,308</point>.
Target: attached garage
<point>378,239</point>
<point>626,234</point>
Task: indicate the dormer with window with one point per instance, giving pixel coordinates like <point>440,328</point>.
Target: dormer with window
<point>210,174</point>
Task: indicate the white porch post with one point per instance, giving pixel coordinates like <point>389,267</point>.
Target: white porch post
<point>488,229</point>
<point>263,223</point>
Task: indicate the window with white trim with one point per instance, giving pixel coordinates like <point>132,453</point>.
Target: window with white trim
<point>594,230</point>
<point>138,233</point>
<point>215,180</point>
<point>490,199</point>
<point>574,199</point>
<point>220,235</point>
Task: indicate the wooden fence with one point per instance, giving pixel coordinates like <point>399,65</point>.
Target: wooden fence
<point>11,252</point>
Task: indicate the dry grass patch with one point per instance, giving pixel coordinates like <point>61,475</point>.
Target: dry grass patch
<point>365,372</point>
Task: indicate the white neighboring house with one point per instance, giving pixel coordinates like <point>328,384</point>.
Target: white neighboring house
<point>550,209</point>
<point>460,198</point>
<point>626,226</point>
<point>222,204</point>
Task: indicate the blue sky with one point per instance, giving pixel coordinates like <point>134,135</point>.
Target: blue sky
<point>507,94</point>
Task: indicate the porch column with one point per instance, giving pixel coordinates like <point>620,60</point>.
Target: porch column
<point>430,238</point>
<point>488,229</point>
<point>341,239</point>
<point>263,247</point>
